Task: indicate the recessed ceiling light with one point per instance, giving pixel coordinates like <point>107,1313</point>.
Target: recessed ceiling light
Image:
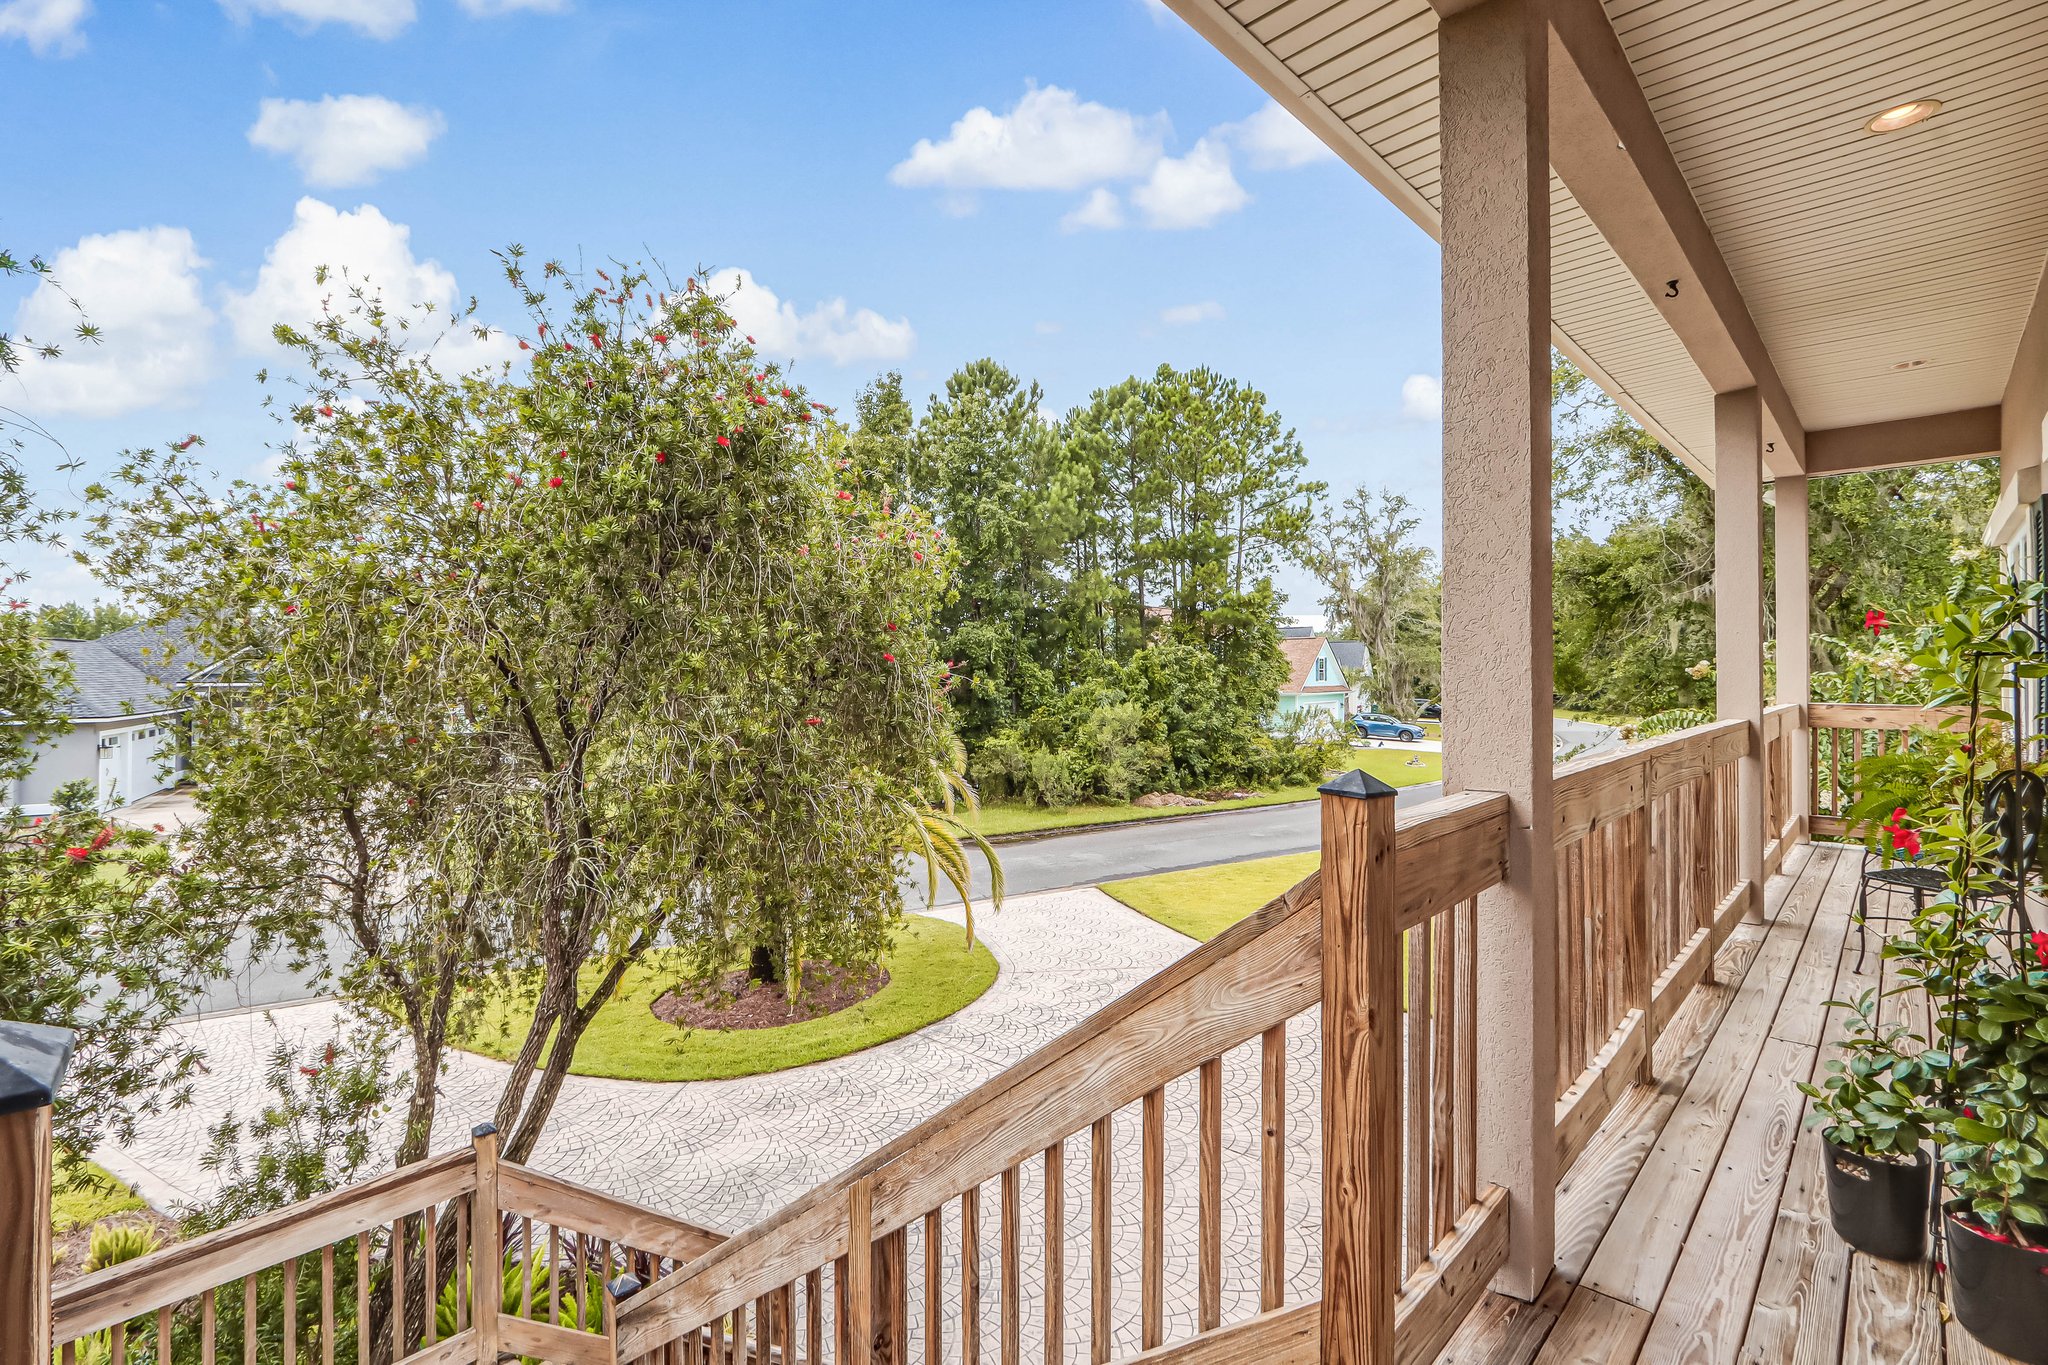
<point>1904,116</point>
<point>1909,364</point>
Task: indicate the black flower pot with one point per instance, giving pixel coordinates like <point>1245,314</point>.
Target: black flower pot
<point>1999,1292</point>
<point>1880,1206</point>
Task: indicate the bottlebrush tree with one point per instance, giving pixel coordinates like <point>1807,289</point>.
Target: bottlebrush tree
<point>548,664</point>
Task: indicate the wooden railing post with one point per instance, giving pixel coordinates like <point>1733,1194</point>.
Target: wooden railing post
<point>487,1233</point>
<point>1361,1022</point>
<point>892,1298</point>
<point>32,1062</point>
<point>857,1276</point>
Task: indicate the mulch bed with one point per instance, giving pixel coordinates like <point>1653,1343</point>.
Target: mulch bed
<point>735,1001</point>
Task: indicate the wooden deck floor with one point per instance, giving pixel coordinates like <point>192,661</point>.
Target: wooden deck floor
<point>1694,1228</point>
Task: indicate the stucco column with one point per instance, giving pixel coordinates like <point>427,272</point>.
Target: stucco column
<point>1795,624</point>
<point>1739,614</point>
<point>1494,89</point>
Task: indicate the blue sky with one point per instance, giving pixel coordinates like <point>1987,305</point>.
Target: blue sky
<point>1081,190</point>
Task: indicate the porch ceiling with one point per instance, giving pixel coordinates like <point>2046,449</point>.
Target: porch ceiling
<point>1853,252</point>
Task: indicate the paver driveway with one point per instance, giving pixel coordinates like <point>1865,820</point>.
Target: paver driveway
<point>724,1154</point>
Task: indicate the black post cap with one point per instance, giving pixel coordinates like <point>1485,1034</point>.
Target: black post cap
<point>1357,782</point>
<point>484,1130</point>
<point>624,1287</point>
<point>33,1058</point>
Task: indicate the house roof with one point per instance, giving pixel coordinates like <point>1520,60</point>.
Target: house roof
<point>128,672</point>
<point>1296,632</point>
<point>1350,655</point>
<point>1300,654</point>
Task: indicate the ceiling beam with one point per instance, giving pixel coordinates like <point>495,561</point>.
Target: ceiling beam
<point>1933,439</point>
<point>1607,147</point>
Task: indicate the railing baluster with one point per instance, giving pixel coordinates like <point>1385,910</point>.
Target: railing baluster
<point>1414,1093</point>
<point>462,1265</point>
<point>401,1345</point>
<point>429,1229</point>
<point>249,1320</point>
<point>1272,1168</point>
<point>1100,1324</point>
<point>1442,1016</point>
<point>165,1340</point>
<point>934,1301</point>
<point>209,1329</point>
<point>1152,1224</point>
<point>1209,1197</point>
<point>970,1276</point>
<point>814,1317</point>
<point>117,1343</point>
<point>362,1297</point>
<point>1012,1320</point>
<point>326,1306</point>
<point>1055,1254</point>
<point>291,1311</point>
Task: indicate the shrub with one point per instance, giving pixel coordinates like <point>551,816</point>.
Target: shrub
<point>113,1243</point>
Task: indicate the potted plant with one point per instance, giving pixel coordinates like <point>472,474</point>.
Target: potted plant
<point>1996,1156</point>
<point>1875,1120</point>
<point>1987,980</point>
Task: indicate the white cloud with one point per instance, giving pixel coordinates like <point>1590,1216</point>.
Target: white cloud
<point>1047,328</point>
<point>1049,140</point>
<point>1188,314</point>
<point>346,139</point>
<point>372,18</point>
<point>49,27</point>
<point>1191,191</point>
<point>141,288</point>
<point>374,252</point>
<point>829,331</point>
<point>1422,398</point>
<point>1158,10</point>
<point>1101,209</point>
<point>1273,139</point>
<point>486,9</point>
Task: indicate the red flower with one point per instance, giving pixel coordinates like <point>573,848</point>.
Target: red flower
<point>810,720</point>
<point>2039,938</point>
<point>326,411</point>
<point>597,341</point>
<point>309,1071</point>
<point>661,457</point>
<point>750,341</point>
<point>725,440</point>
<point>917,555</point>
<point>888,658</point>
<point>787,394</point>
<point>291,609</point>
<point>890,626</point>
<point>291,483</point>
<point>517,482</point>
<point>524,347</point>
<point>803,417</point>
<point>661,338</point>
<point>479,506</point>
<point>561,454</point>
<point>1904,840</point>
<point>543,329</point>
<point>555,482</point>
<point>843,495</point>
<point>78,855</point>
<point>759,401</point>
<point>1874,621</point>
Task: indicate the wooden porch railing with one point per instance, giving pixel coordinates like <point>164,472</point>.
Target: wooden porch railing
<point>1647,890</point>
<point>842,1252</point>
<point>1358,986</point>
<point>285,1282</point>
<point>1843,732</point>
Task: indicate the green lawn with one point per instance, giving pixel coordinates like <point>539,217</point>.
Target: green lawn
<point>1204,901</point>
<point>1389,765</point>
<point>931,975</point>
<point>88,1195</point>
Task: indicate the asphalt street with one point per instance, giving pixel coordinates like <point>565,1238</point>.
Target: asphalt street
<point>1078,858</point>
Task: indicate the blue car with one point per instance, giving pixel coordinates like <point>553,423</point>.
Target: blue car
<point>1373,725</point>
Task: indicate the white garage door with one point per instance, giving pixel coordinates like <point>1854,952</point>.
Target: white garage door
<point>131,764</point>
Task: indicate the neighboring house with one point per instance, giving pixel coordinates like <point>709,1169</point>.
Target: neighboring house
<point>123,713</point>
<point>1357,666</point>
<point>1315,681</point>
